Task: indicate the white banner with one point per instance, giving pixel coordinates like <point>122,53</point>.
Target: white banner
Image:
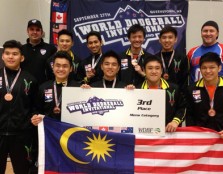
<point>135,111</point>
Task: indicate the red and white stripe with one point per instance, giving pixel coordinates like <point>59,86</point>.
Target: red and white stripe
<point>190,150</point>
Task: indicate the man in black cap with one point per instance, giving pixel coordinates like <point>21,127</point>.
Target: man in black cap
<point>209,34</point>
<point>36,51</point>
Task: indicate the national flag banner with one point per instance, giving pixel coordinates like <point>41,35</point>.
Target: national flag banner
<point>58,17</point>
<point>58,27</point>
<point>55,36</point>
<point>65,148</point>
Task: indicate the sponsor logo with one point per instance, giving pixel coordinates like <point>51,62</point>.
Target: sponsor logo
<point>95,105</point>
<point>149,130</point>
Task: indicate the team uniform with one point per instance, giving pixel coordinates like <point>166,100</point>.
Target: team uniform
<point>128,73</point>
<point>87,64</point>
<point>194,56</point>
<point>73,75</point>
<point>176,67</point>
<point>36,58</point>
<point>108,84</point>
<point>199,106</point>
<point>16,130</point>
<point>46,99</point>
<point>175,103</point>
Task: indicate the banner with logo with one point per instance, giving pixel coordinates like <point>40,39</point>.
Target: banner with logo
<point>128,111</point>
<point>112,18</point>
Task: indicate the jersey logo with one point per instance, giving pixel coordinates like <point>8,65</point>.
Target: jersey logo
<point>177,66</point>
<point>27,86</point>
<point>43,51</point>
<point>171,97</point>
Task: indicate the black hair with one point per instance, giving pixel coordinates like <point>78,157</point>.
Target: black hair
<point>94,33</point>
<point>168,29</point>
<point>113,54</point>
<point>63,55</point>
<point>12,44</point>
<point>65,32</point>
<point>135,28</point>
<point>152,58</point>
<point>210,57</point>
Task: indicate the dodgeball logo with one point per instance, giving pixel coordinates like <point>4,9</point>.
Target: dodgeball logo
<point>115,29</point>
<point>94,105</point>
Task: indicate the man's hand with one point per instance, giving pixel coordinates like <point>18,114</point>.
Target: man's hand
<point>221,134</point>
<point>172,126</point>
<point>36,119</point>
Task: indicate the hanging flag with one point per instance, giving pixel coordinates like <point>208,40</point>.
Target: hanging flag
<point>65,148</point>
<point>58,27</point>
<point>58,17</point>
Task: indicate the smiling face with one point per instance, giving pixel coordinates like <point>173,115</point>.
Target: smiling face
<point>35,34</point>
<point>209,71</point>
<point>61,69</point>
<point>167,40</point>
<point>136,39</point>
<point>110,67</point>
<point>64,43</point>
<point>153,70</point>
<point>209,35</point>
<point>94,44</point>
<point>12,58</point>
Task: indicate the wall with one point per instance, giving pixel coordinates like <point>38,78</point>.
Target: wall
<point>14,15</point>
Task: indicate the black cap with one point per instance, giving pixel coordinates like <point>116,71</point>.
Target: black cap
<point>210,23</point>
<point>35,22</point>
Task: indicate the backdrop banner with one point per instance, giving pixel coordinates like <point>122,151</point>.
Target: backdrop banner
<point>112,18</point>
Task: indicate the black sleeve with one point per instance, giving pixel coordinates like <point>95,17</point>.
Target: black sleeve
<point>190,120</point>
<point>180,106</point>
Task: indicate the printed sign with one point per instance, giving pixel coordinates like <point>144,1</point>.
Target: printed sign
<point>128,111</point>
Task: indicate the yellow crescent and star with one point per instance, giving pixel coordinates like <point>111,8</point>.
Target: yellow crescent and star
<point>97,146</point>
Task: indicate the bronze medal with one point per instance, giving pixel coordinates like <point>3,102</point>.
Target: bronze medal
<point>134,62</point>
<point>8,97</point>
<point>166,76</point>
<point>56,110</point>
<point>211,112</point>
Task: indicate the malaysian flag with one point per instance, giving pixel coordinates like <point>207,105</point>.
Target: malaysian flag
<point>65,148</point>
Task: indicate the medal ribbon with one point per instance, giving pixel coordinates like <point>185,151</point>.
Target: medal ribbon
<point>94,64</point>
<point>9,89</point>
<point>211,99</point>
<point>113,84</point>
<point>170,61</point>
<point>139,56</point>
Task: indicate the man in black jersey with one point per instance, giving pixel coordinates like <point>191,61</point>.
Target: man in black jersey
<point>175,64</point>
<point>65,42</point>
<point>36,51</point>
<point>132,60</point>
<point>110,65</point>
<point>89,70</point>
<point>49,95</point>
<point>17,93</point>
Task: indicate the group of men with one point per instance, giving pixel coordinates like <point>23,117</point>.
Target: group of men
<point>33,76</point>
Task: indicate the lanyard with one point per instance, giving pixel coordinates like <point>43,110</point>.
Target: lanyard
<point>94,64</point>
<point>9,89</point>
<point>113,84</point>
<point>164,65</point>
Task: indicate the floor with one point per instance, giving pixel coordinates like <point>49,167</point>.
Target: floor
<point>9,169</point>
